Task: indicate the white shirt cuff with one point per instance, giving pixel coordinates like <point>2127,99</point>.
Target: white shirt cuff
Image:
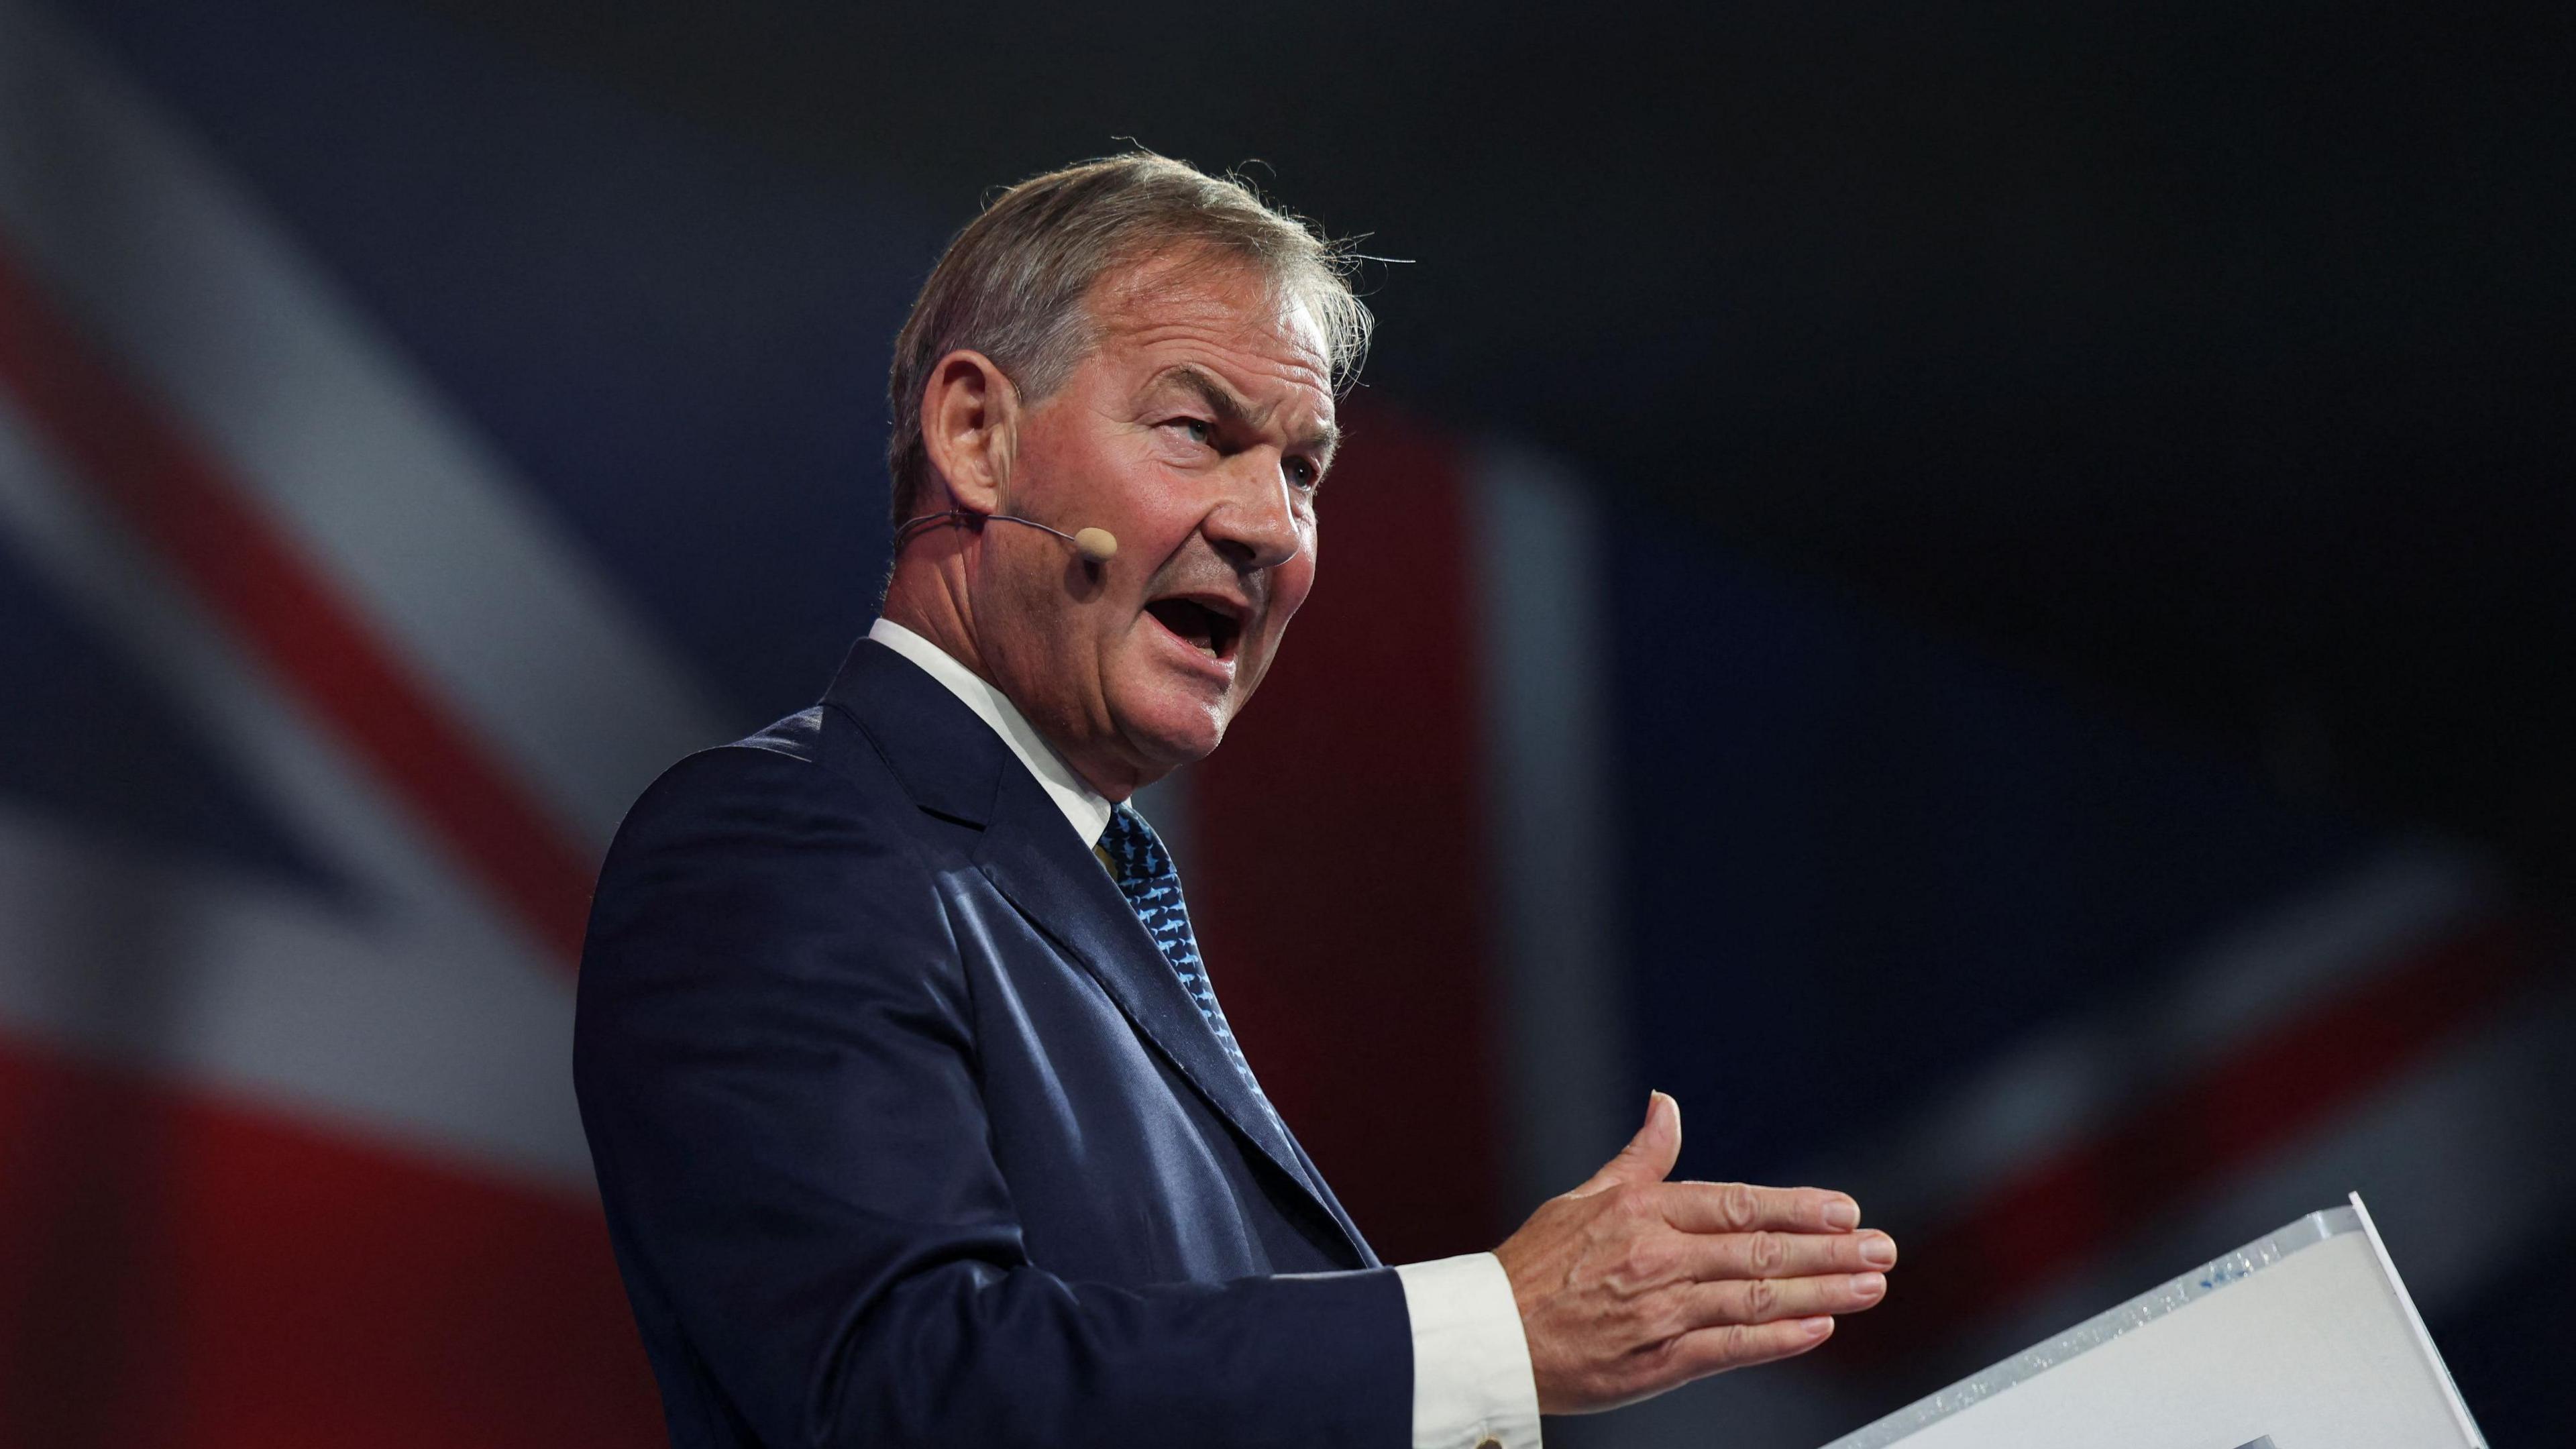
<point>1471,1367</point>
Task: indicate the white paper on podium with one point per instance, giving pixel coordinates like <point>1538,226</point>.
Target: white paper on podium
<point>2305,1337</point>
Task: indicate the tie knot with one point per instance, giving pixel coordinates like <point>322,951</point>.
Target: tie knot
<point>1136,854</point>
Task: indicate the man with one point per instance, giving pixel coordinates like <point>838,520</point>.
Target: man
<point>916,1116</point>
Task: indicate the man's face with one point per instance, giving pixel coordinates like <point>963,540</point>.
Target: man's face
<point>1197,431</point>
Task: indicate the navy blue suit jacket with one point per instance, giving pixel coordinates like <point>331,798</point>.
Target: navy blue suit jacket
<point>908,1135</point>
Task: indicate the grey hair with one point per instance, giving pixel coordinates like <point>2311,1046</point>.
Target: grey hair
<point>1015,285</point>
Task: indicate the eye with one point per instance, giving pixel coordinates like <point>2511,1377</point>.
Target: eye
<point>1197,430</point>
<point>1302,473</point>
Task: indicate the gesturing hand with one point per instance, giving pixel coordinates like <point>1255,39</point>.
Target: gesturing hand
<point>1630,1285</point>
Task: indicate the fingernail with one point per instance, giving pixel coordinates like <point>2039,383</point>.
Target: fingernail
<point>1869,1285</point>
<point>1878,1250</point>
<point>1842,1215</point>
<point>1818,1326</point>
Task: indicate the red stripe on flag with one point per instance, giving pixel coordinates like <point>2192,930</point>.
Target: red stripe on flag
<point>140,461</point>
<point>185,1272</point>
<point>1339,871</point>
<point>2271,1092</point>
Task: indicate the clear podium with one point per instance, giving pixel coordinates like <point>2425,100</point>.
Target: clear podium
<point>2304,1339</point>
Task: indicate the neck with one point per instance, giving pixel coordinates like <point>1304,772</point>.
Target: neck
<point>928,595</point>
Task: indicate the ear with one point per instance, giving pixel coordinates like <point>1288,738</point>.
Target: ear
<point>970,428</point>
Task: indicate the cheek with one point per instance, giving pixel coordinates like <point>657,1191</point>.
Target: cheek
<point>1171,505</point>
<point>1288,591</point>
<point>1296,580</point>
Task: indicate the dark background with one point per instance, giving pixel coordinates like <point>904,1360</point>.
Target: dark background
<point>2214,358</point>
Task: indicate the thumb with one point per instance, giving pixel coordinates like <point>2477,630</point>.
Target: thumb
<point>1649,1156</point>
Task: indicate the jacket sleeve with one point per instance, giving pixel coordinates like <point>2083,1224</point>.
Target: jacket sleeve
<point>776,1071</point>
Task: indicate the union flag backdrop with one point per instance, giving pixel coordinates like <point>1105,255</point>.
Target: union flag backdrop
<point>407,450</point>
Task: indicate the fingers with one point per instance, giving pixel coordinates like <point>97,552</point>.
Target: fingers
<point>1735,1207</point>
<point>1714,1256</point>
<point>1706,1351</point>
<point>1649,1156</point>
<point>1768,1300</point>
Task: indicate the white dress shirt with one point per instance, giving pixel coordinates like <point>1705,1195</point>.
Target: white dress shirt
<point>1471,1368</point>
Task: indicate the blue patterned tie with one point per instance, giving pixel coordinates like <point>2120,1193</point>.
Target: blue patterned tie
<point>1143,870</point>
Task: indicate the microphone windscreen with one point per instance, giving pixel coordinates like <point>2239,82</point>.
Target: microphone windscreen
<point>1096,545</point>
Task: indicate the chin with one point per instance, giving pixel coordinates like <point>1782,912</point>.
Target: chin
<point>1173,731</point>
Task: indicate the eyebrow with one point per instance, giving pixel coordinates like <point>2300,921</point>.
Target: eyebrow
<point>1230,408</point>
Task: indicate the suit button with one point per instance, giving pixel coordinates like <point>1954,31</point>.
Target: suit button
<point>1489,1442</point>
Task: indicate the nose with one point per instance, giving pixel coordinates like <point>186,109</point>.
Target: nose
<point>1254,525</point>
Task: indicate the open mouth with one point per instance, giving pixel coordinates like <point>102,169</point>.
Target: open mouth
<point>1212,630</point>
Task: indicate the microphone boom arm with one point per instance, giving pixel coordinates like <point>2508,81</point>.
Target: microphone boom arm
<point>1096,545</point>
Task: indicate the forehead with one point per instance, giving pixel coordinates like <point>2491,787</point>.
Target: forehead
<point>1218,313</point>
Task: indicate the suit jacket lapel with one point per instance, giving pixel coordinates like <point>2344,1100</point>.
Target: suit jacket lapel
<point>1324,1194</point>
<point>953,765</point>
<point>1031,855</point>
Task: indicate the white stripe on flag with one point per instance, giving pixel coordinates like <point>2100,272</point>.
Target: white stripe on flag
<point>2460,1158</point>
<point>279,1001</point>
<point>2050,1092</point>
<point>142,236</point>
<point>2463,1163</point>
<point>419,1013</point>
<point>1545,646</point>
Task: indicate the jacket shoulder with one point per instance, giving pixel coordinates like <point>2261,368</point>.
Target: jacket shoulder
<point>812,760</point>
<point>769,836</point>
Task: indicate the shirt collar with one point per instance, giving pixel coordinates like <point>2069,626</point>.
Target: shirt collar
<point>1084,808</point>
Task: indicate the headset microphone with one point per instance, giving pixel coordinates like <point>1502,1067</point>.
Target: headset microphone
<point>1097,546</point>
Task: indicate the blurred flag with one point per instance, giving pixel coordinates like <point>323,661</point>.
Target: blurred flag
<point>348,606</point>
